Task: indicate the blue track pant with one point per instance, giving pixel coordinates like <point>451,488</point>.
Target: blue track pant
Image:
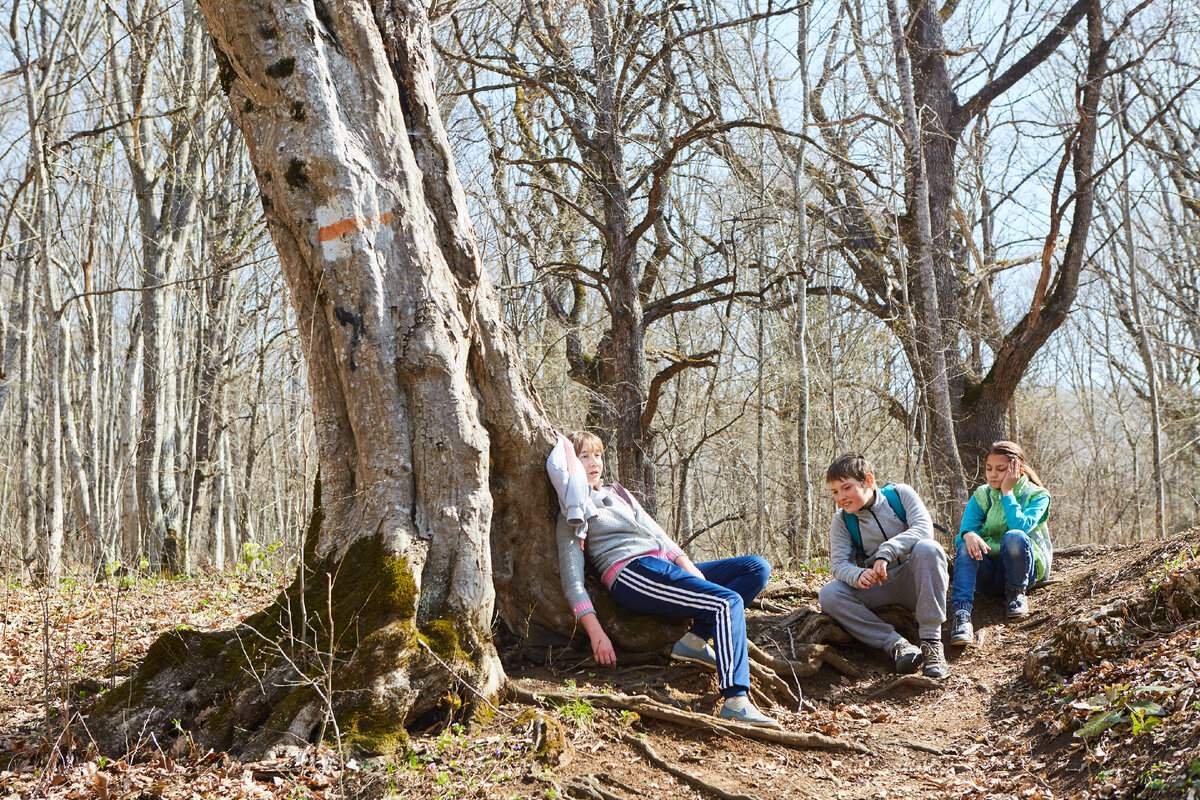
<point>717,605</point>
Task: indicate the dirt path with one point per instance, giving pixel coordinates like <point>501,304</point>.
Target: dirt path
<point>974,735</point>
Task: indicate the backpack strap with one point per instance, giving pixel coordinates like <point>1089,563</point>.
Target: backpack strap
<point>851,523</point>
<point>893,499</point>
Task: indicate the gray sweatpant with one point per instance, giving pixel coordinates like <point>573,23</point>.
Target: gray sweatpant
<point>919,584</point>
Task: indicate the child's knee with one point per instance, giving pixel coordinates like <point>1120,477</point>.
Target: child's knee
<point>760,568</point>
<point>928,550</point>
<point>1015,543</point>
<point>832,595</point>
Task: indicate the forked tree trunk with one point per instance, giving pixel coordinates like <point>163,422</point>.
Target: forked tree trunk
<point>429,440</point>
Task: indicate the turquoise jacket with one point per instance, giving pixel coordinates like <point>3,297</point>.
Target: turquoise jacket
<point>991,515</point>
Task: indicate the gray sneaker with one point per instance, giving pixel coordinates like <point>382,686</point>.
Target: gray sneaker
<point>935,659</point>
<point>1018,605</point>
<point>703,656</point>
<point>906,656</point>
<point>748,715</point>
<point>962,633</point>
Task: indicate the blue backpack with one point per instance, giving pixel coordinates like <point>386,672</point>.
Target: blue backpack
<point>893,499</point>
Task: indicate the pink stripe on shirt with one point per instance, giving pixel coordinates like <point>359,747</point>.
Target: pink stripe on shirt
<point>610,574</point>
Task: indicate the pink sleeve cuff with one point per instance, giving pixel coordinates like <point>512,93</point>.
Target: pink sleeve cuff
<point>583,609</point>
<point>673,554</point>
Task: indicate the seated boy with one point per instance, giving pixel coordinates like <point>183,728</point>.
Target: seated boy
<point>882,552</point>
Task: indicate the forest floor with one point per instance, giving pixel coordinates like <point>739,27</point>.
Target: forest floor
<point>1125,725</point>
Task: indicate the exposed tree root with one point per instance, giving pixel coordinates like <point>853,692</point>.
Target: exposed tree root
<point>700,785</point>
<point>767,681</point>
<point>587,787</point>
<point>652,709</point>
<point>906,682</point>
<point>811,658</point>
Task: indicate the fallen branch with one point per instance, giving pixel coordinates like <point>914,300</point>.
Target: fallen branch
<point>777,590</point>
<point>700,785</point>
<point>1081,550</point>
<point>652,709</point>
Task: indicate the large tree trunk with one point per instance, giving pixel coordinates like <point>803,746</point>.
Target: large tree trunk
<point>429,441</point>
<point>931,363</point>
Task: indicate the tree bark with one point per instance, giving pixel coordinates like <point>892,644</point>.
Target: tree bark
<point>429,440</point>
<point>929,344</point>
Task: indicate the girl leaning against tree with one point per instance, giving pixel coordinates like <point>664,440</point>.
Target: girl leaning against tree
<point>604,526</point>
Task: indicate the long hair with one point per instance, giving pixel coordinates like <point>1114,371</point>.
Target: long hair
<point>1013,450</point>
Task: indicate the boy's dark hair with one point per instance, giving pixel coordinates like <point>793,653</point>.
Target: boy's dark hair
<point>853,466</point>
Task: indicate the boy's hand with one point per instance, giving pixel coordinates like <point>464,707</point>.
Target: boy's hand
<point>880,570</point>
<point>867,579</point>
<point>976,546</point>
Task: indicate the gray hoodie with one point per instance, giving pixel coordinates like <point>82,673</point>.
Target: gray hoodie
<point>619,532</point>
<point>883,534</point>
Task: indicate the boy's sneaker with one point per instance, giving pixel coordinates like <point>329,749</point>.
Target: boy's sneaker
<point>740,709</point>
<point>906,656</point>
<point>1018,605</point>
<point>693,649</point>
<point>962,633</point>
<point>935,659</point>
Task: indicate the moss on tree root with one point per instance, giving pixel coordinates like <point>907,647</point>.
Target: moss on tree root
<point>342,637</point>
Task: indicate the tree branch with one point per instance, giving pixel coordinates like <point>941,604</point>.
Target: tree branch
<point>1022,67</point>
<point>664,375</point>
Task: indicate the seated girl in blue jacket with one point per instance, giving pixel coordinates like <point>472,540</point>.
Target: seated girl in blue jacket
<point>647,573</point>
<point>1003,545</point>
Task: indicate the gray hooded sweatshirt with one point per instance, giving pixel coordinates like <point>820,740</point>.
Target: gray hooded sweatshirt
<point>883,534</point>
<point>619,531</point>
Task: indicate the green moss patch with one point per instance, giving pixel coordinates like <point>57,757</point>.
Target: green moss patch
<point>442,637</point>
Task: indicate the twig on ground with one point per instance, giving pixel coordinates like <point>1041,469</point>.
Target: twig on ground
<point>651,709</point>
<point>698,784</point>
<point>767,678</point>
<point>814,657</point>
<point>1035,621</point>
<point>769,606</point>
<point>924,748</point>
<point>790,619</point>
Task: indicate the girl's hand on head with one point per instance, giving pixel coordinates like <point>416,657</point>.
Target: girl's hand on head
<point>1011,476</point>
<point>976,546</point>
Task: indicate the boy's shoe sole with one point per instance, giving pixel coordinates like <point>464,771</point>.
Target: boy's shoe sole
<point>962,641</point>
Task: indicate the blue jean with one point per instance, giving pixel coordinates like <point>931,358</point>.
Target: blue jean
<point>1011,571</point>
<point>717,605</point>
